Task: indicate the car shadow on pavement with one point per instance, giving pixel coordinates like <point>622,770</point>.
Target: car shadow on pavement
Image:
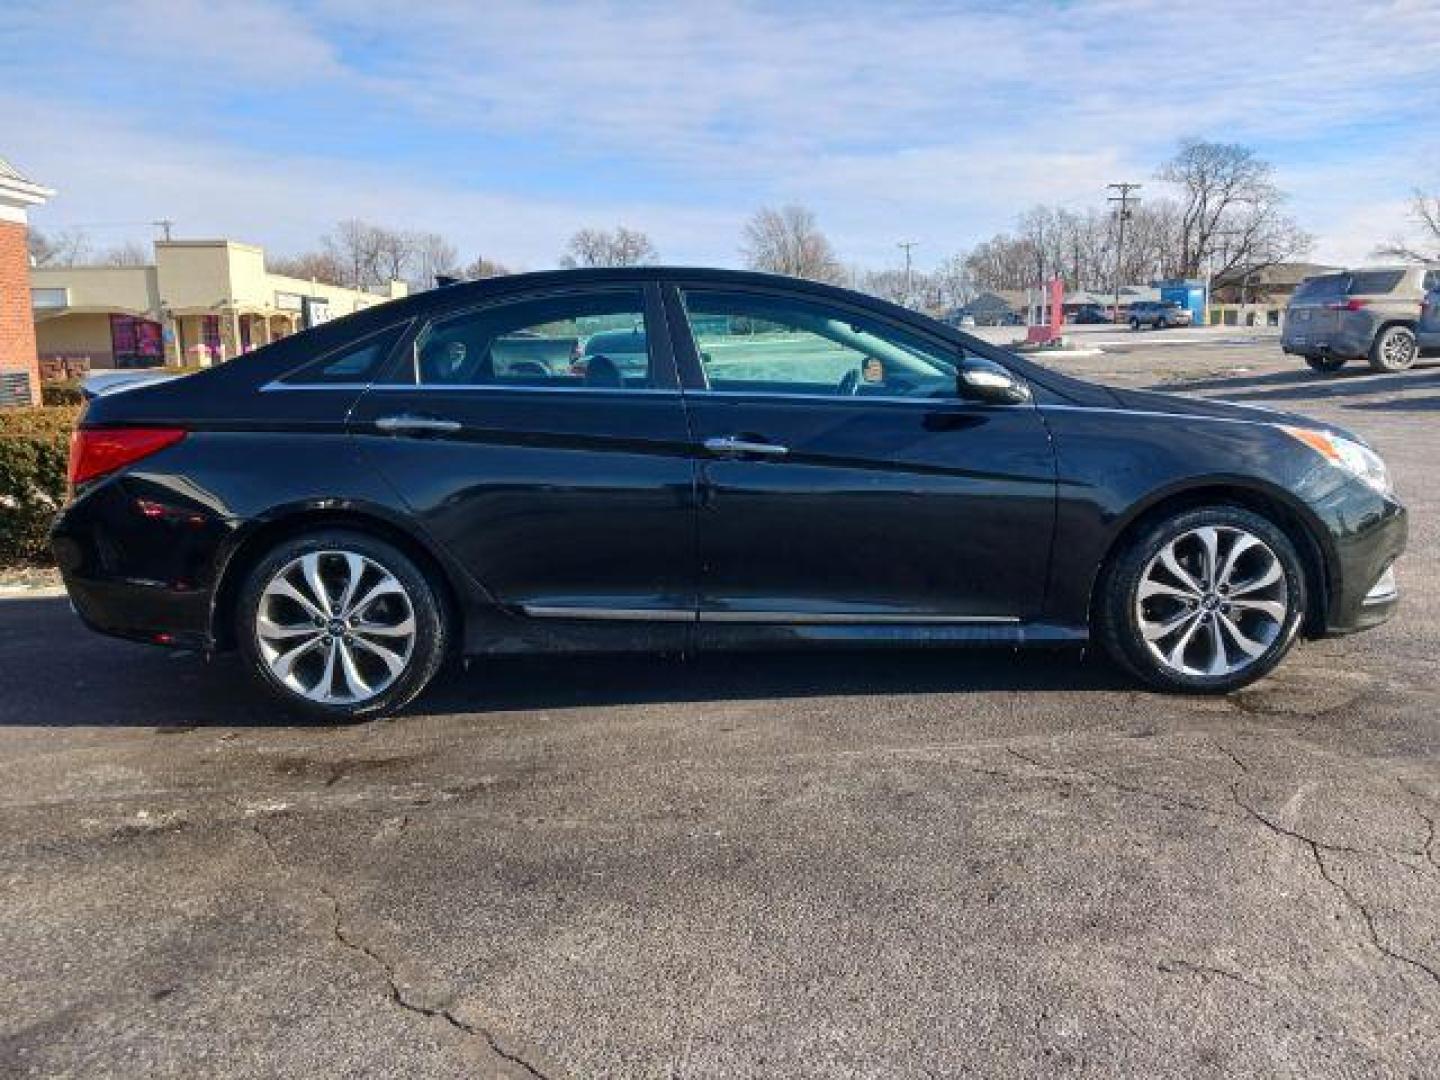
<point>56,673</point>
<point>1306,385</point>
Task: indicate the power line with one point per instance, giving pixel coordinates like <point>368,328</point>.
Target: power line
<point>1124,199</point>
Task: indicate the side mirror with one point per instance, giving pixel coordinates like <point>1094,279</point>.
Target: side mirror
<point>985,380</point>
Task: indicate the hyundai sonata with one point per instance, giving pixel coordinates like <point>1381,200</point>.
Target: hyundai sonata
<point>770,462</point>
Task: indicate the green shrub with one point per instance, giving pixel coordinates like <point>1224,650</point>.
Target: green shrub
<point>34,454</point>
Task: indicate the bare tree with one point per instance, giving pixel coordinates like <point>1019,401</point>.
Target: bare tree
<point>355,246</point>
<point>597,247</point>
<point>1231,210</point>
<point>482,268</point>
<point>322,266</point>
<point>1425,213</point>
<point>65,248</point>
<point>128,253</point>
<point>432,257</point>
<point>788,241</point>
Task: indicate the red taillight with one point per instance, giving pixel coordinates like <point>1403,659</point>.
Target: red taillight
<point>97,451</point>
<point>1348,305</point>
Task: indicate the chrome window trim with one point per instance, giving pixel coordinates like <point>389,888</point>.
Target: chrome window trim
<point>438,388</point>
<point>855,399</point>
<point>276,384</point>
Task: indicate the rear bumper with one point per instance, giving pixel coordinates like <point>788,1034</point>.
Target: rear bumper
<point>139,568</point>
<point>1364,592</point>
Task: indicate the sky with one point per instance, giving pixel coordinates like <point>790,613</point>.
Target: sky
<point>507,125</point>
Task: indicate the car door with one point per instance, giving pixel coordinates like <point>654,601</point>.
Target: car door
<point>567,493</point>
<point>843,479</point>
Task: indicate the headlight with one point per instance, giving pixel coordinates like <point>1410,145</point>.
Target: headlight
<point>1359,461</point>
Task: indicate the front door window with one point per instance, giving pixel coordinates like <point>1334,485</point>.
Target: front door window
<point>759,343</point>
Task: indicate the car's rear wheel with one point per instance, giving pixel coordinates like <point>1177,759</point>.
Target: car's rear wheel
<point>1393,350</point>
<point>1204,601</point>
<point>1134,324</point>
<point>341,625</point>
<point>1326,365</point>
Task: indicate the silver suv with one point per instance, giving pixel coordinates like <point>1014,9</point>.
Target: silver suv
<point>1158,314</point>
<point>1368,313</point>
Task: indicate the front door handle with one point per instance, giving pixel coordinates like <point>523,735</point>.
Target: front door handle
<point>734,446</point>
<point>405,424</point>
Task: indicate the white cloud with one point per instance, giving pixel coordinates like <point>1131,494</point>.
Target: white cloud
<point>511,122</point>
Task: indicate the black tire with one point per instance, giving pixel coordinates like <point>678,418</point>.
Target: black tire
<point>1325,365</point>
<point>1393,350</point>
<point>1134,324</point>
<point>1117,602</point>
<point>431,627</point>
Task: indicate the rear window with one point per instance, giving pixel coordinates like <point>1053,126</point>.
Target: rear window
<point>1318,288</point>
<point>1367,282</point>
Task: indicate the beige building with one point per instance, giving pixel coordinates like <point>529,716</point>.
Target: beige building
<point>199,302</point>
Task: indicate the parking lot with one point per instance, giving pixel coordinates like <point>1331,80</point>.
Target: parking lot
<point>880,864</point>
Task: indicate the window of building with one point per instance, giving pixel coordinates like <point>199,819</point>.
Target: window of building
<point>136,342</point>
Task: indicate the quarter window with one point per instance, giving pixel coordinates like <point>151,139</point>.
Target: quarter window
<point>358,362</point>
<point>580,341</point>
<point>759,343</point>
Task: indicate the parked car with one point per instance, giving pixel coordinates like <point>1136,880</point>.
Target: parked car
<point>1090,315</point>
<point>789,464</point>
<point>1158,314</point>
<point>627,350</point>
<point>1355,314</point>
<point>1427,330</point>
<point>967,322</point>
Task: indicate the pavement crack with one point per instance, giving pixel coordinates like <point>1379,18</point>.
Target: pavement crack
<point>1174,801</point>
<point>1367,918</point>
<point>1281,830</point>
<point>348,940</point>
<point>1205,971</point>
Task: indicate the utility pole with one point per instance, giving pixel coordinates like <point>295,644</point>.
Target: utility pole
<point>164,225</point>
<point>1124,199</point>
<point>909,287</point>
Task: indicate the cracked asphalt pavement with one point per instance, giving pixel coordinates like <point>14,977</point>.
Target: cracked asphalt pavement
<point>830,864</point>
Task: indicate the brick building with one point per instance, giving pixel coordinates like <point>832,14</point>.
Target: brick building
<point>19,377</point>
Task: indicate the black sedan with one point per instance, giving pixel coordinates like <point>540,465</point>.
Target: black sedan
<point>780,463</point>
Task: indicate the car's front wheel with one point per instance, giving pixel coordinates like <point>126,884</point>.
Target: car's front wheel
<point>1204,601</point>
<point>1394,350</point>
<point>341,625</point>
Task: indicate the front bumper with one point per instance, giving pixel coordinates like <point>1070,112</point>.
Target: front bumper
<point>1363,588</point>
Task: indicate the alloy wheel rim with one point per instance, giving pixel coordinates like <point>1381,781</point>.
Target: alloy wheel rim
<point>1212,601</point>
<point>1397,349</point>
<point>335,627</point>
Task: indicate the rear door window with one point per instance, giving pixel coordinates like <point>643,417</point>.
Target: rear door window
<point>576,340</point>
<point>1373,282</point>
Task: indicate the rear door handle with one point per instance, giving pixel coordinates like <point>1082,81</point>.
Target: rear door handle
<point>733,446</point>
<point>405,424</point>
